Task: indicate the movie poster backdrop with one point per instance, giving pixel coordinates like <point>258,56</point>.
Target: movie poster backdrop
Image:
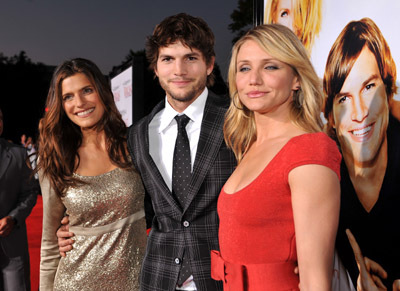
<point>122,90</point>
<point>354,47</point>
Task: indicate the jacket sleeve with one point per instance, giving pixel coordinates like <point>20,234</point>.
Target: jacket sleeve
<point>148,206</point>
<point>53,212</point>
<point>28,192</point>
<point>149,211</point>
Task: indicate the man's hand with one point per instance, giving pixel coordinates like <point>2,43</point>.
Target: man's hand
<point>370,271</point>
<point>396,285</point>
<point>64,237</point>
<point>6,226</point>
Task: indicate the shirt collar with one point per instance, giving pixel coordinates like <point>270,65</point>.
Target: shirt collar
<point>194,111</point>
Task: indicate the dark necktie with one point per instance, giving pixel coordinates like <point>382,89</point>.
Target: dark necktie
<point>181,169</point>
<point>181,174</point>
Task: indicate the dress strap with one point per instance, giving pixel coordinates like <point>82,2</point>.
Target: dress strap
<point>257,277</point>
<point>99,230</point>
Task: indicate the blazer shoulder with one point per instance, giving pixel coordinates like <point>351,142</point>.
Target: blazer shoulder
<point>144,121</point>
<point>15,149</point>
<point>137,125</point>
<point>222,101</point>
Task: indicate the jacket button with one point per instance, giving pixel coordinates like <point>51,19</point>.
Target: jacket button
<point>177,261</point>
<point>186,223</point>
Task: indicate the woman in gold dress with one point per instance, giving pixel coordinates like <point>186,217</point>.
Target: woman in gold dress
<point>85,172</point>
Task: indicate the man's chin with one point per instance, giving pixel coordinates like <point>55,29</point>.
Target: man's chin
<point>184,97</point>
<point>363,159</point>
<point>183,100</point>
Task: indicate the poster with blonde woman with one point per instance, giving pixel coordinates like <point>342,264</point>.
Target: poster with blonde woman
<point>354,47</point>
<point>303,17</point>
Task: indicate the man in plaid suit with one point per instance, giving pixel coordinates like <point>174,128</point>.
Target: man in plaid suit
<point>181,53</point>
<point>183,232</point>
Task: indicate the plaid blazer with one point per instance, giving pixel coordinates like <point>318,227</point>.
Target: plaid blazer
<point>193,229</point>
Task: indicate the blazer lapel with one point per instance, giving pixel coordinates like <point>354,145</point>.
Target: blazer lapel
<point>210,141</point>
<point>152,169</point>
<point>5,157</point>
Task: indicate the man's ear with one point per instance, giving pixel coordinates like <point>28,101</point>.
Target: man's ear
<point>210,66</point>
<point>331,120</point>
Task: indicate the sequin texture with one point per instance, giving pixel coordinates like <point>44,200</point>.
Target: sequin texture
<point>112,260</point>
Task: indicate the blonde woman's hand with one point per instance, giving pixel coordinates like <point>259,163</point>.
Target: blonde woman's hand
<point>371,272</point>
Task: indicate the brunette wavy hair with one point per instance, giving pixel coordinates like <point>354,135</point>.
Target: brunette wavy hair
<point>60,138</point>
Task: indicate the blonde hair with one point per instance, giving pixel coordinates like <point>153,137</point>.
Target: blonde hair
<point>281,43</point>
<point>307,16</point>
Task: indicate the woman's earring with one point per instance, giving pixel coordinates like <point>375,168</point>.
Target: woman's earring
<point>298,98</point>
<point>233,101</point>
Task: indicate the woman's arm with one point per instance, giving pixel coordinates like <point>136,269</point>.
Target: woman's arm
<point>53,211</point>
<point>315,191</point>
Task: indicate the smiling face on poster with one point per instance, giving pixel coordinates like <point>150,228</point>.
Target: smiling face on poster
<point>354,47</point>
<point>359,84</point>
<point>360,112</point>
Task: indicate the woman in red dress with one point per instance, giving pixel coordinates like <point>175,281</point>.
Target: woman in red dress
<point>280,207</point>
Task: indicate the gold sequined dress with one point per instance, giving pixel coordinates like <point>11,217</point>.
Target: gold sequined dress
<point>106,215</point>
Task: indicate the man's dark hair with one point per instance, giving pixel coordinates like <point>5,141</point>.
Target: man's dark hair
<point>193,32</point>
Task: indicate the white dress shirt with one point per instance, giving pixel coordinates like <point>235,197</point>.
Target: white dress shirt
<point>163,131</point>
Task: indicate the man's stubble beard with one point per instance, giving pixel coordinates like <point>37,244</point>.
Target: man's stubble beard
<point>190,95</point>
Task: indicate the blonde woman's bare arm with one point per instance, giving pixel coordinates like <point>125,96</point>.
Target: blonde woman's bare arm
<point>315,191</point>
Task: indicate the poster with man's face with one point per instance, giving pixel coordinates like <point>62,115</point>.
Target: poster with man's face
<point>354,47</point>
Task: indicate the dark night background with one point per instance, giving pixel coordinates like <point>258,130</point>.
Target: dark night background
<point>37,35</point>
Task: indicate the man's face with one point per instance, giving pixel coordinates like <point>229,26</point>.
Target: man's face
<point>182,72</point>
<point>360,111</point>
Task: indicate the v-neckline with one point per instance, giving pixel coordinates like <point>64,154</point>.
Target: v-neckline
<point>266,167</point>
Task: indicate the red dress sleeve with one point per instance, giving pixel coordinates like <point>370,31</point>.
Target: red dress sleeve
<point>316,148</point>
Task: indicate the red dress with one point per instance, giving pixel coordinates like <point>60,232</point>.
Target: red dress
<point>256,232</point>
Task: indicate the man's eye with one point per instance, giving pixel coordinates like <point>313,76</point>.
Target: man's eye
<point>343,99</point>
<point>370,86</point>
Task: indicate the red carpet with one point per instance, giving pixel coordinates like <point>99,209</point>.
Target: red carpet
<point>34,228</point>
